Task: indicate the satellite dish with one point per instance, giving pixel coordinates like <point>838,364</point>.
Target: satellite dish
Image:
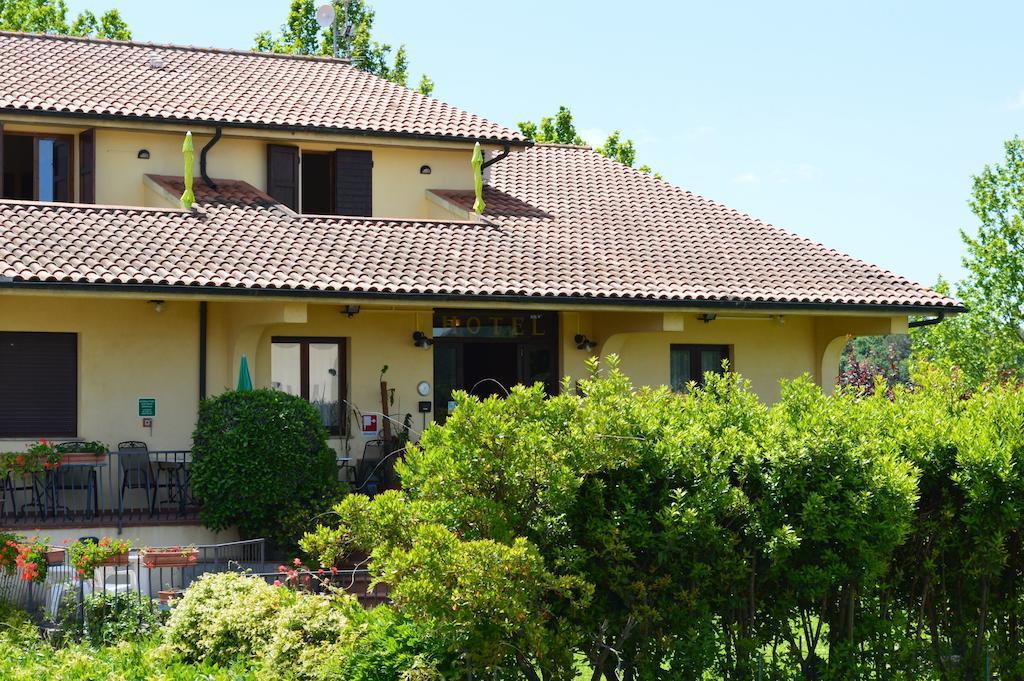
<point>325,15</point>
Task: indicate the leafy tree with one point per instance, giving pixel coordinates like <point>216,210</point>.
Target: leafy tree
<point>560,129</point>
<point>51,16</point>
<point>301,34</point>
<point>988,342</point>
<point>868,357</point>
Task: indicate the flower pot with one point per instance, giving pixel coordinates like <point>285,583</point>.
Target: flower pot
<point>115,561</point>
<point>82,457</point>
<point>170,558</point>
<point>54,556</point>
<point>167,594</point>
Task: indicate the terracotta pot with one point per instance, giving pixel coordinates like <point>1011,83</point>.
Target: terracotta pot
<point>54,556</point>
<point>167,558</point>
<point>115,561</point>
<point>167,594</point>
<point>83,457</point>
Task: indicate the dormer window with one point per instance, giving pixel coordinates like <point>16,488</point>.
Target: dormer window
<point>37,167</point>
<point>338,182</point>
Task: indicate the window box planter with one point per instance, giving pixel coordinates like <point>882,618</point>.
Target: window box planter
<point>54,556</point>
<point>173,557</point>
<point>83,457</point>
<point>118,560</point>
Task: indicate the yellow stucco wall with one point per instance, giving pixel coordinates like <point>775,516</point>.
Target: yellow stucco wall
<point>127,350</point>
<point>398,186</point>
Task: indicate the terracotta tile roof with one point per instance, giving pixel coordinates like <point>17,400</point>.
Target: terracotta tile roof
<point>566,223</point>
<point>111,78</point>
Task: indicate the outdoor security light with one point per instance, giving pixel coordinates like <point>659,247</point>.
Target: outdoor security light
<point>158,305</point>
<point>584,343</point>
<point>424,170</point>
<point>143,154</point>
<point>351,310</point>
<point>420,340</point>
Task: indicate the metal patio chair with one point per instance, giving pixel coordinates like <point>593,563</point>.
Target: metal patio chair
<point>370,474</point>
<point>136,472</point>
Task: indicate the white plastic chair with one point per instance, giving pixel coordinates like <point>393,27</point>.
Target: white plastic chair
<point>61,581</point>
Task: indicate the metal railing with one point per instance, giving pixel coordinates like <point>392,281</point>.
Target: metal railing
<point>152,586</point>
<point>118,488</point>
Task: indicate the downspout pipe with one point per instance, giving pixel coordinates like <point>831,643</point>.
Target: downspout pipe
<point>202,157</point>
<point>202,350</point>
<point>503,154</point>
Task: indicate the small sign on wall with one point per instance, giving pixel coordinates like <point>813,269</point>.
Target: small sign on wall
<point>147,406</point>
<point>370,424</point>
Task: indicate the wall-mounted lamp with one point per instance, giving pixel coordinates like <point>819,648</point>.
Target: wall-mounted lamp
<point>143,154</point>
<point>707,318</point>
<point>584,343</point>
<point>158,305</point>
<point>420,340</point>
<point>424,170</point>
<point>351,310</point>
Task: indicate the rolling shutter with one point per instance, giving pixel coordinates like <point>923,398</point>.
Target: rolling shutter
<point>353,182</point>
<point>39,379</point>
<point>87,167</point>
<point>283,174</point>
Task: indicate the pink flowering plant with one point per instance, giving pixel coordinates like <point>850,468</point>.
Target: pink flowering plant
<point>27,555</point>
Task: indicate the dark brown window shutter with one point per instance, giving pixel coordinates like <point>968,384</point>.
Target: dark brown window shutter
<point>62,170</point>
<point>353,182</point>
<point>87,166</point>
<point>283,174</point>
<point>39,375</point>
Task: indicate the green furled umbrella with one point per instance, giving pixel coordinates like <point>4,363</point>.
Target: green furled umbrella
<point>189,198</point>
<point>478,178</point>
<point>244,381</point>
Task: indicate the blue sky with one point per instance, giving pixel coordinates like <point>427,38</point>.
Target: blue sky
<point>855,124</point>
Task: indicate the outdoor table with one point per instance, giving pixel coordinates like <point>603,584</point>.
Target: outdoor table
<point>177,465</point>
<point>92,468</point>
<point>344,463</point>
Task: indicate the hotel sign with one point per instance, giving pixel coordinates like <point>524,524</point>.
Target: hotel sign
<point>494,324</point>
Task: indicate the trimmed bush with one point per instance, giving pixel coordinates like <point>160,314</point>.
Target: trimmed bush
<point>262,464</point>
<point>223,617</point>
<point>111,618</point>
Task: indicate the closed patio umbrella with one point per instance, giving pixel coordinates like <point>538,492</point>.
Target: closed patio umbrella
<point>478,178</point>
<point>188,198</point>
<point>244,380</point>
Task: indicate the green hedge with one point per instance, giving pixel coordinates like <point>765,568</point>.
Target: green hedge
<point>262,464</point>
<point>707,535</point>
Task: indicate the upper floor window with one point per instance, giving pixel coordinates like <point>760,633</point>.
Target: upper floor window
<point>37,167</point>
<point>314,369</point>
<point>690,363</point>
<point>336,182</point>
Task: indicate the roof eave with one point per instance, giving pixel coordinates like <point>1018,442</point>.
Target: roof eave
<point>321,294</point>
<point>269,126</point>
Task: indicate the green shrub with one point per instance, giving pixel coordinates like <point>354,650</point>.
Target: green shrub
<point>307,632</point>
<point>262,464</point>
<point>110,618</point>
<point>385,645</point>
<point>223,617</point>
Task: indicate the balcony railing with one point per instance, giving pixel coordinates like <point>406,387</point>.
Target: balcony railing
<point>116,489</point>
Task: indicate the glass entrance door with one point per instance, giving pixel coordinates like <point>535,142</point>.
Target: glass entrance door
<point>487,352</point>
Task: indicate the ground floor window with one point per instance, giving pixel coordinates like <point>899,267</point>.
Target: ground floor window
<point>690,363</point>
<point>314,369</point>
<point>38,384</point>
